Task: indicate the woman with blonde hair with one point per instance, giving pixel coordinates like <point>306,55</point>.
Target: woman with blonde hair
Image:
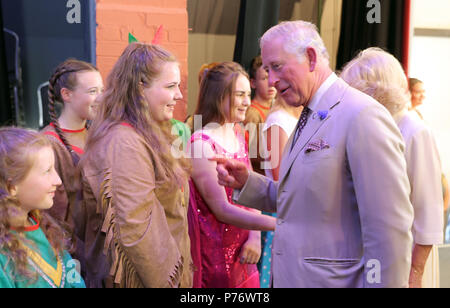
<point>32,245</point>
<point>380,75</point>
<point>135,190</point>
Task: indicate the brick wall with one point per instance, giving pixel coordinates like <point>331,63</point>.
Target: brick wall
<point>117,18</point>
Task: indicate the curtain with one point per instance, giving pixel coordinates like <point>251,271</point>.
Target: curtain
<point>255,18</point>
<point>307,10</point>
<point>213,16</point>
<point>358,34</point>
<point>407,36</point>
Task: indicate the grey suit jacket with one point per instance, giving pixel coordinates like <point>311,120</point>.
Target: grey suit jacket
<point>344,214</point>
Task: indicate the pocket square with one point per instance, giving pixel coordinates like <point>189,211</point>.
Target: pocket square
<point>316,146</point>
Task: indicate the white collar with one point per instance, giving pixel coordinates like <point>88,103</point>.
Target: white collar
<point>321,91</point>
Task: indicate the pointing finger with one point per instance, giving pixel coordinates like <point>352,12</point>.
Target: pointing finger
<point>219,159</point>
<point>222,171</point>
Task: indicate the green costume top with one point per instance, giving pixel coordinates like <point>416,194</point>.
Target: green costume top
<point>182,130</point>
<point>53,271</point>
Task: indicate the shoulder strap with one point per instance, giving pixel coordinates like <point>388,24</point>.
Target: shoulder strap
<point>206,138</point>
<point>203,137</point>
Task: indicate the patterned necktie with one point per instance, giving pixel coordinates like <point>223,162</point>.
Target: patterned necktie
<point>300,125</point>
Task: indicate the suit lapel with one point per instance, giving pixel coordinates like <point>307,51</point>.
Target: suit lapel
<point>311,128</point>
<point>330,99</point>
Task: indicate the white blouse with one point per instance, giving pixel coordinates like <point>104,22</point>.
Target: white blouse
<point>424,172</point>
<point>286,122</point>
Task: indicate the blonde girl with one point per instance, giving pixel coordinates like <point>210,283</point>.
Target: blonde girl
<point>31,243</point>
<point>135,191</point>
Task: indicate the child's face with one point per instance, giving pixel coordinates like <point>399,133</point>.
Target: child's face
<point>37,190</point>
<point>242,99</point>
<point>82,100</point>
<point>261,85</point>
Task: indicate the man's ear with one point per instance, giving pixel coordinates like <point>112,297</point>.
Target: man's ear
<point>312,58</point>
<point>66,94</point>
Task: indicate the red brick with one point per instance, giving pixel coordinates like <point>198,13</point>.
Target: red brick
<point>143,34</point>
<point>105,65</point>
<point>108,33</point>
<point>115,17</point>
<point>111,48</point>
<point>134,2</point>
<point>124,31</point>
<point>169,21</point>
<point>163,36</point>
<point>178,49</point>
<point>178,36</point>
<point>144,3</point>
<point>175,3</point>
<point>107,60</point>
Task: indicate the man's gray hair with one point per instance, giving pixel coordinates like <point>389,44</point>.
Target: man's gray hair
<point>297,37</point>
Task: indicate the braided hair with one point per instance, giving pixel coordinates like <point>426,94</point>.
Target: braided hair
<point>64,76</point>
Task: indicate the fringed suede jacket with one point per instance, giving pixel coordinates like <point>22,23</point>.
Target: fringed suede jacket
<point>133,219</point>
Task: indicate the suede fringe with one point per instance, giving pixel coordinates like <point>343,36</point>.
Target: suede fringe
<point>122,270</point>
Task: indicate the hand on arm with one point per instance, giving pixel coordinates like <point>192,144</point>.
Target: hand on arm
<point>233,174</point>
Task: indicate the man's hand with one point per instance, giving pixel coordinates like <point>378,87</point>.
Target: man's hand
<point>231,173</point>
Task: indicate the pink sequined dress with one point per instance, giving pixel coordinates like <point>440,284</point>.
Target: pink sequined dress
<point>216,246</point>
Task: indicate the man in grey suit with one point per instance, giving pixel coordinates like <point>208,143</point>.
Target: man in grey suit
<point>342,199</point>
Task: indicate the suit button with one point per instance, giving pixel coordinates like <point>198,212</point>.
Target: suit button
<point>278,253</point>
<point>279,221</point>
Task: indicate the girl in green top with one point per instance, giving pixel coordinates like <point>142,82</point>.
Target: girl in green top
<point>31,244</point>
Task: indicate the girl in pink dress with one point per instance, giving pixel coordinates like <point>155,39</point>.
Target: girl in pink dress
<point>224,249</point>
